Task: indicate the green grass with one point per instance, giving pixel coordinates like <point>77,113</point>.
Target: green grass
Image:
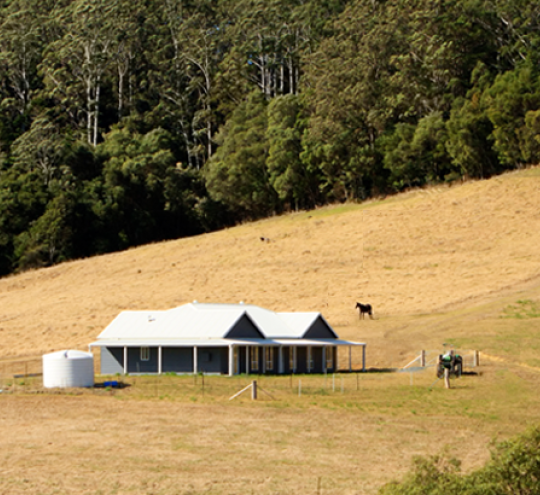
<point>486,397</point>
<point>522,309</point>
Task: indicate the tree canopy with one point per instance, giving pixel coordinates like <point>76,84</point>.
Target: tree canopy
<point>129,122</point>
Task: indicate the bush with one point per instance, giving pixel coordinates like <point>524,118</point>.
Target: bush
<point>514,469</point>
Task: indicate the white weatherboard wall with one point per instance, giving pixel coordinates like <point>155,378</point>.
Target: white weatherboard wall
<point>66,369</point>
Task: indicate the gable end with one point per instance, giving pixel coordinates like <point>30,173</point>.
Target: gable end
<point>319,329</point>
<point>244,328</point>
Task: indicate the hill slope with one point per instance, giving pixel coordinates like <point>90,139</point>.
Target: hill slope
<point>436,264</point>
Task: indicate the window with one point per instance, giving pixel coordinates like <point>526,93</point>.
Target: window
<point>145,354</point>
<point>329,358</point>
<point>254,354</point>
<point>236,360</point>
<point>309,359</point>
<point>269,357</point>
<point>292,358</point>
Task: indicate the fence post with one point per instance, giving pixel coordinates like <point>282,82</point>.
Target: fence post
<point>423,359</point>
<point>446,378</point>
<point>476,358</point>
<point>254,390</point>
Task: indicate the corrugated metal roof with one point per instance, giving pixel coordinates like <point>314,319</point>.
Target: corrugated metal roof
<point>202,321</point>
<point>152,342</point>
<point>183,322</point>
<point>188,321</point>
<point>298,322</point>
<point>271,324</point>
<point>301,322</point>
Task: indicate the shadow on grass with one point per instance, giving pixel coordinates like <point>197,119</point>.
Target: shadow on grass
<point>379,370</point>
<point>110,384</point>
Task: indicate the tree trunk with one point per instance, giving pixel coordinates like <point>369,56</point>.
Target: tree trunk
<point>96,111</point>
<point>89,110</point>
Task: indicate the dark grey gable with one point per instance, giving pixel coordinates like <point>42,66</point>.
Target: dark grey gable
<point>319,329</point>
<point>244,328</point>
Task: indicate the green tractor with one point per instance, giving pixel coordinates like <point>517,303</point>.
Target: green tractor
<point>452,362</point>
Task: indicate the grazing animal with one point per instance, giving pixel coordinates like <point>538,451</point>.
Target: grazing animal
<point>364,308</point>
<point>264,239</point>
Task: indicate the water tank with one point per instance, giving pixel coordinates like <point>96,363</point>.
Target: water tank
<point>68,369</point>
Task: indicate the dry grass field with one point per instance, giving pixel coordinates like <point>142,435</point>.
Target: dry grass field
<point>449,265</point>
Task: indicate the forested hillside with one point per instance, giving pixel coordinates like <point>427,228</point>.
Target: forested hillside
<point>125,122</point>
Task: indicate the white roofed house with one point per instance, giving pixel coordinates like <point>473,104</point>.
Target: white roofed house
<point>220,338</point>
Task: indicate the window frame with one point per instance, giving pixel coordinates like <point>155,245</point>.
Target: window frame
<point>269,358</point>
<point>145,353</point>
<point>309,358</point>
<point>254,358</point>
<point>330,357</point>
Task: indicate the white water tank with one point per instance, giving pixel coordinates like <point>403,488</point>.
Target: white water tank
<point>66,369</point>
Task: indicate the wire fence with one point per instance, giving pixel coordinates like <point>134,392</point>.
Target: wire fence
<point>17,372</point>
<point>17,378</point>
<point>430,358</point>
<point>25,375</point>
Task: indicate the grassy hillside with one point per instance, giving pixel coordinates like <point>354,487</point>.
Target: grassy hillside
<point>437,265</point>
<point>450,265</point>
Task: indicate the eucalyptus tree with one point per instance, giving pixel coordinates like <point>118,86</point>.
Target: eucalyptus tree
<point>126,51</point>
<point>469,129</point>
<point>253,36</point>
<point>23,199</point>
<point>514,28</point>
<point>202,51</point>
<point>76,65</point>
<point>237,174</point>
<point>146,195</point>
<point>349,80</point>
<point>185,59</point>
<point>441,44</point>
<point>512,102</point>
<point>21,44</point>
<point>269,41</point>
<point>294,183</point>
<point>41,148</point>
<point>24,34</point>
<point>48,239</point>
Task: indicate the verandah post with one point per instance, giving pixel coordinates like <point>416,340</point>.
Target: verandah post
<point>231,360</point>
<point>363,358</point>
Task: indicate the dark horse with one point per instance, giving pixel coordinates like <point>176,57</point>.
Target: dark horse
<point>364,308</point>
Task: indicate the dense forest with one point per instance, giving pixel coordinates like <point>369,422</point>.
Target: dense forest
<point>127,122</point>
